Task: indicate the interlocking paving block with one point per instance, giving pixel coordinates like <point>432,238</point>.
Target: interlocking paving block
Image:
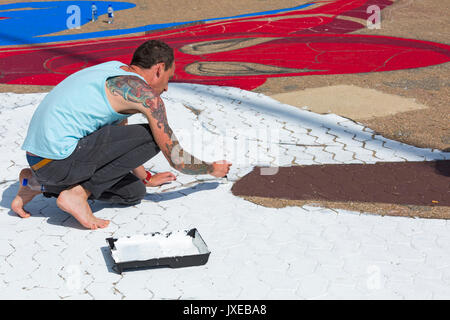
<point>313,286</point>
<point>256,252</point>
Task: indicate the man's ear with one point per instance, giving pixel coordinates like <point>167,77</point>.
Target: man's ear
<point>160,69</point>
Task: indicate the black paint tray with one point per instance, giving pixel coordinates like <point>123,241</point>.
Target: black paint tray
<point>145,261</point>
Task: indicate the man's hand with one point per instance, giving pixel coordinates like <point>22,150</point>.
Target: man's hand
<point>161,178</point>
<point>220,168</point>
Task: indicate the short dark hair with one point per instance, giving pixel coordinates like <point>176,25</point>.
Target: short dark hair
<point>153,52</point>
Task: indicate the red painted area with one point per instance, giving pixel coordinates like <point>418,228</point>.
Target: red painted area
<point>306,41</point>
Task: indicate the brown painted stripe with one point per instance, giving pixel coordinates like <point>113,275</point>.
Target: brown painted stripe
<point>409,183</point>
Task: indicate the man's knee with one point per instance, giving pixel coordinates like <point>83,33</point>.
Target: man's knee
<point>143,129</point>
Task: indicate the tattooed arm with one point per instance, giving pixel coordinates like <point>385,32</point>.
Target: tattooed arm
<point>139,97</point>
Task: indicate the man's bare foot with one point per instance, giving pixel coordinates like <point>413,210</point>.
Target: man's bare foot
<point>24,195</point>
<point>74,201</point>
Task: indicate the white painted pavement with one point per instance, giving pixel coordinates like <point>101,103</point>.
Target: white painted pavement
<point>257,252</point>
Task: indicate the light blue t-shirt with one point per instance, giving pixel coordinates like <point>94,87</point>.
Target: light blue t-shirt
<point>75,108</point>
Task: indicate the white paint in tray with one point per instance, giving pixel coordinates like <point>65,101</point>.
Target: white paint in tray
<point>146,247</point>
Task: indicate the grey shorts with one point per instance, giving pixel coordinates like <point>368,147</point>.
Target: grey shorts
<point>101,163</point>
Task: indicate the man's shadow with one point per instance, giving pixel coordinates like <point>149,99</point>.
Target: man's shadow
<point>42,207</point>
<point>161,196</point>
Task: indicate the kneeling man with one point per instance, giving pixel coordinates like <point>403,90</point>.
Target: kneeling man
<point>80,147</point>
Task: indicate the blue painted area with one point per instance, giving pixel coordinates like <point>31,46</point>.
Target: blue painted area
<point>40,18</point>
<point>9,38</point>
